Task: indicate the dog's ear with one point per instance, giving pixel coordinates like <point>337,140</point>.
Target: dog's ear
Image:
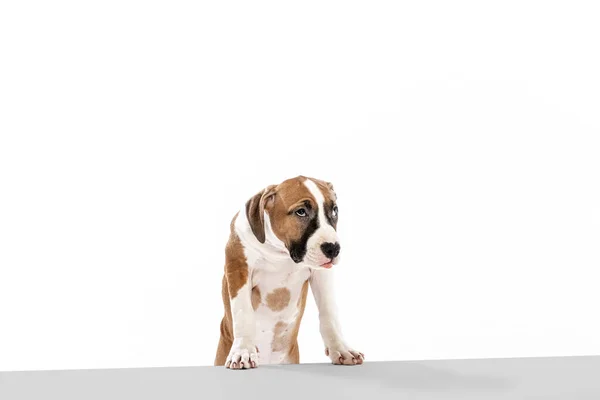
<point>255,211</point>
<point>330,187</point>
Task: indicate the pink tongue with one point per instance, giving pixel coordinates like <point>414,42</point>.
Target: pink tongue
<point>328,265</point>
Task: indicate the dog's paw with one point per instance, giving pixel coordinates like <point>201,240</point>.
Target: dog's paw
<point>243,355</point>
<point>341,354</point>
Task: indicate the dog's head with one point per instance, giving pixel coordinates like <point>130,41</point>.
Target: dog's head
<point>300,215</point>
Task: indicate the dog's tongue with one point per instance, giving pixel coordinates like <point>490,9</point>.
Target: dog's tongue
<point>327,265</point>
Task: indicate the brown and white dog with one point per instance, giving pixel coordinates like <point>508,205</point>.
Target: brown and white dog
<point>283,239</point>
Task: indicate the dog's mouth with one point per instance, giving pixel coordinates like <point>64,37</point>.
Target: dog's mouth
<point>320,261</point>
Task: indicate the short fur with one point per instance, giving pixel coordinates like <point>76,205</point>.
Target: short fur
<point>273,254</point>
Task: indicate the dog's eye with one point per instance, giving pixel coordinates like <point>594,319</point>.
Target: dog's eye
<point>334,211</point>
<point>301,212</point>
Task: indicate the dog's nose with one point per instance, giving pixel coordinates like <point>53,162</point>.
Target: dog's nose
<point>330,250</point>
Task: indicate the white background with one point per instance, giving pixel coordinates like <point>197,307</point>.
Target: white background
<point>462,139</point>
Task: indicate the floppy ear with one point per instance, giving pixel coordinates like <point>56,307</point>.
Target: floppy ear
<point>255,211</point>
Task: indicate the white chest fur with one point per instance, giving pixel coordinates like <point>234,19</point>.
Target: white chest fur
<point>277,300</point>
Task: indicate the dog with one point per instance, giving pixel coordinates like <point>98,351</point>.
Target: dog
<point>283,240</point>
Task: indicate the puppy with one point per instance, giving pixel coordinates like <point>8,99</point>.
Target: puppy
<point>282,241</point>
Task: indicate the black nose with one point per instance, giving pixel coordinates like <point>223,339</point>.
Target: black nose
<point>330,250</point>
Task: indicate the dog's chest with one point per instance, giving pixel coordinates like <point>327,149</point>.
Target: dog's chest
<point>278,300</point>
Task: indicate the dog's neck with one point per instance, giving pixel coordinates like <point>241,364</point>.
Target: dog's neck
<point>272,253</point>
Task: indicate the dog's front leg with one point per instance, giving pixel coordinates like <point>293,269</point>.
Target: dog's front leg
<point>321,283</point>
<point>243,353</point>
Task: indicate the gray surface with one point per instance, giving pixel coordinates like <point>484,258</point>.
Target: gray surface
<point>566,378</point>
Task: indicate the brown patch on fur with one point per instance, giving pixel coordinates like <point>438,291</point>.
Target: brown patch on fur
<point>280,339</point>
<point>326,189</point>
<point>286,226</point>
<point>226,338</point>
<point>255,298</point>
<point>278,299</point>
<point>329,198</point>
<point>294,350</point>
<point>236,267</point>
<point>236,276</point>
<point>232,223</point>
<point>302,298</point>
